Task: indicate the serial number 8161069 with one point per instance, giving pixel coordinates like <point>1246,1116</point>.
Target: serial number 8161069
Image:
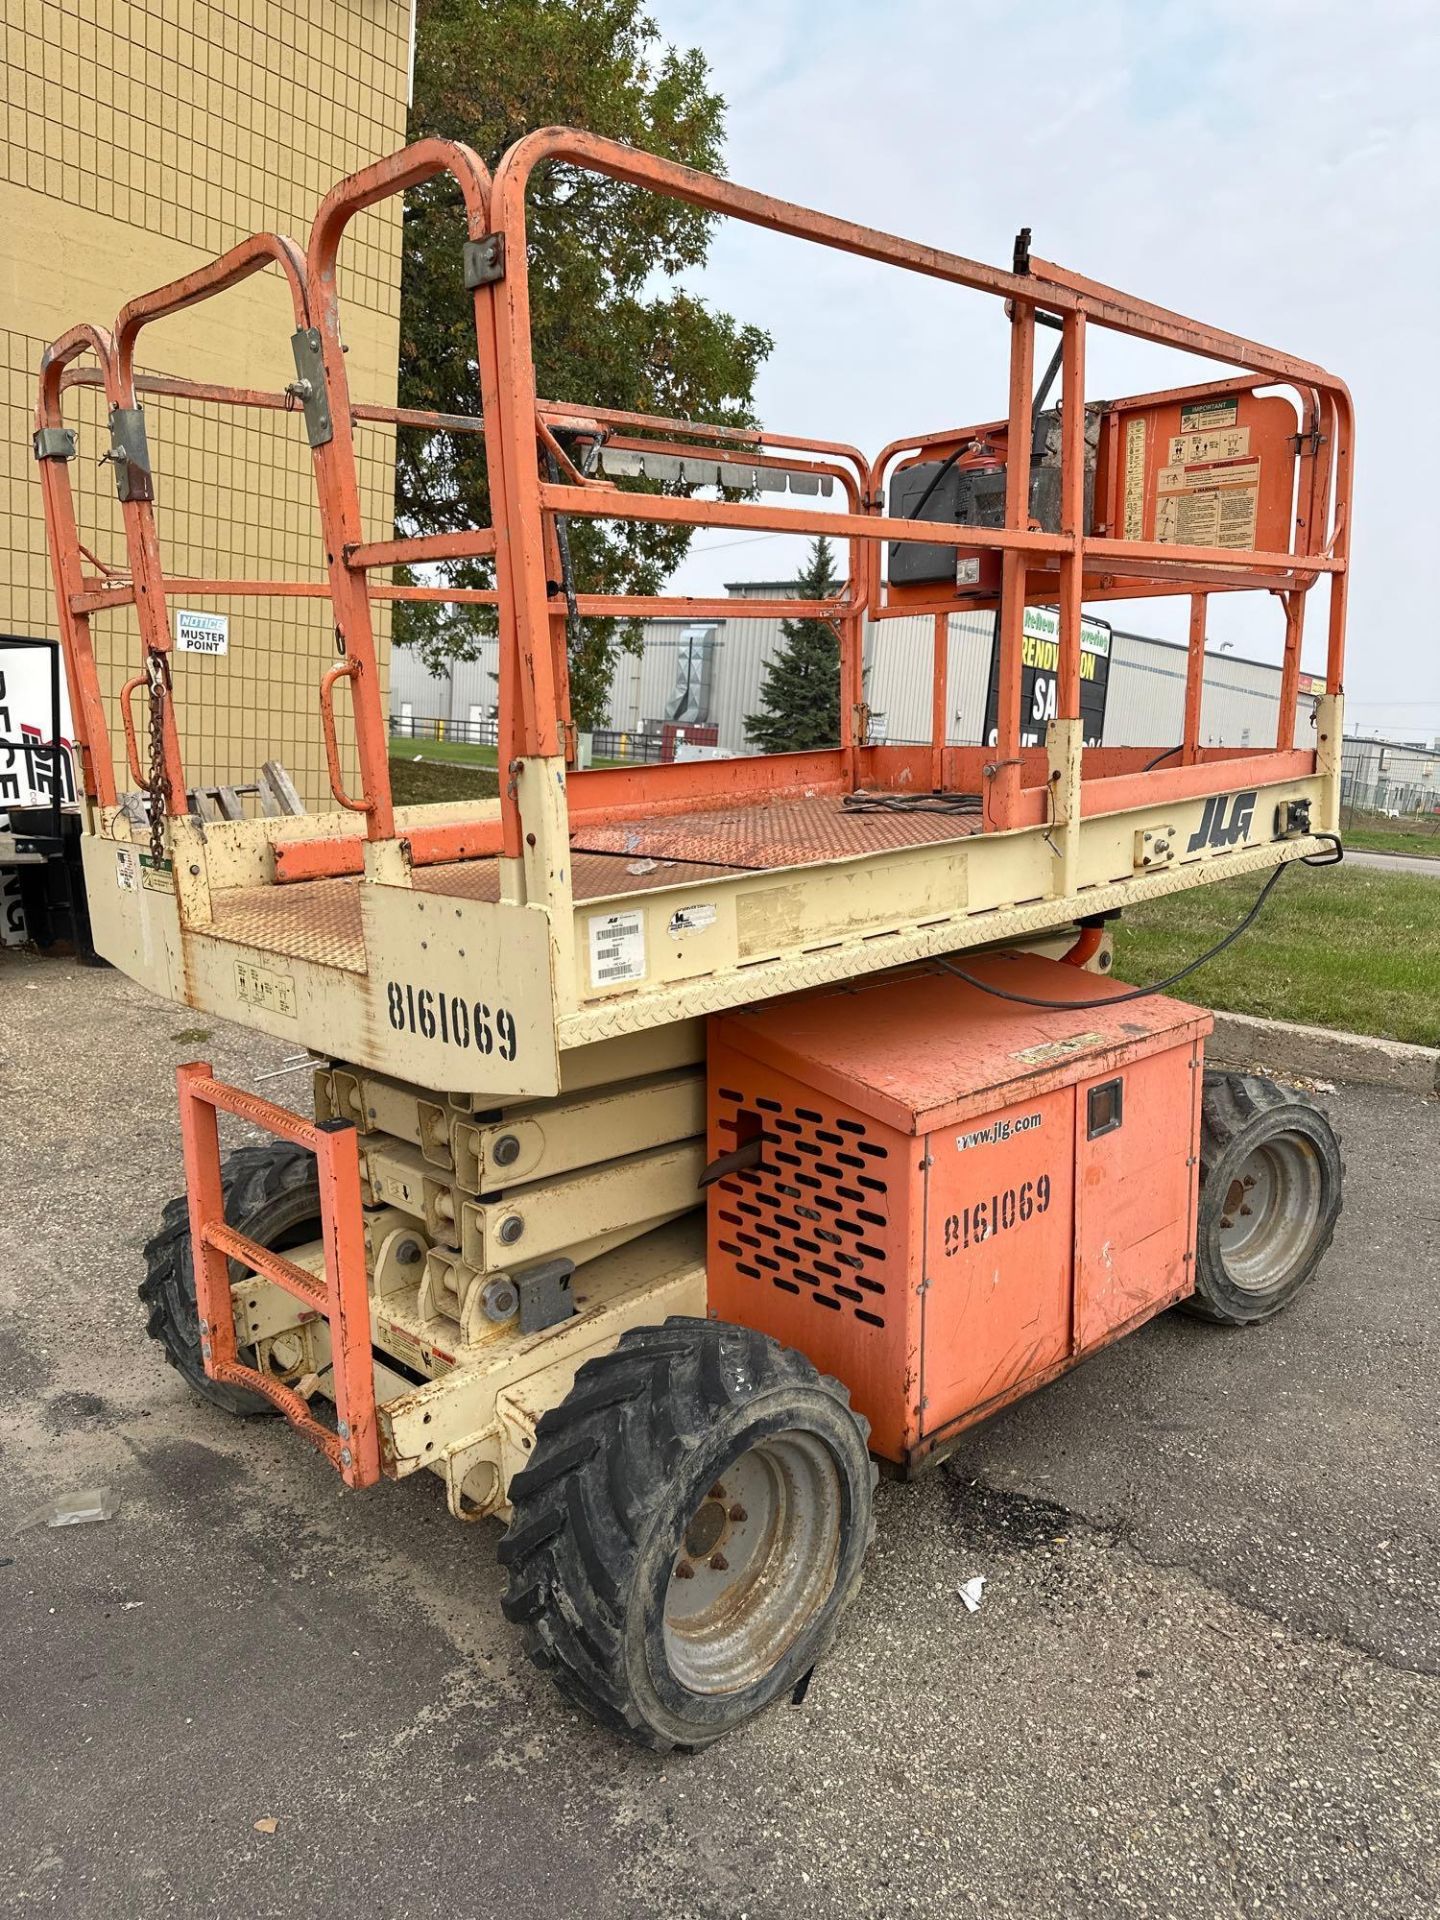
<point>974,1225</point>
<point>436,1015</point>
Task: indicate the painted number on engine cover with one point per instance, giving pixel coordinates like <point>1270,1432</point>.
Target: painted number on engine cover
<point>996,1213</point>
<point>432,1014</point>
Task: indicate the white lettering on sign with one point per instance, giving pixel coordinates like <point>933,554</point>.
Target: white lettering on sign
<point>201,632</point>
<point>617,948</point>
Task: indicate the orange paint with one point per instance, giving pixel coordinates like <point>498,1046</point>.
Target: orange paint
<point>940,1217</point>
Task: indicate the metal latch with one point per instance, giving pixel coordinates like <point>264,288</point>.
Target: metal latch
<point>750,1153</point>
<point>310,387</point>
<point>54,443</point>
<point>130,454</point>
<point>484,261</point>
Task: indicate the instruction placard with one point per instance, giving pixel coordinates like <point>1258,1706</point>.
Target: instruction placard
<point>1209,413</point>
<point>201,632</point>
<point>265,988</point>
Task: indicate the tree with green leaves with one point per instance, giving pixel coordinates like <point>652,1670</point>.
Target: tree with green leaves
<point>612,324</point>
<point>800,697</point>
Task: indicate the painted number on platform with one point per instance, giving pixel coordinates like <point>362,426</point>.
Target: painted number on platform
<point>983,1219</point>
<point>449,1017</point>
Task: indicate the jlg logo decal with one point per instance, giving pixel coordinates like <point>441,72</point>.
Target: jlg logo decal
<point>1215,830</point>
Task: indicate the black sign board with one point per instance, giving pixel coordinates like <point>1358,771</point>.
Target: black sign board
<point>1039,677</point>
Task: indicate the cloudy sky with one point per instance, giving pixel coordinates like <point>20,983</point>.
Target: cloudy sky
<point>1272,167</point>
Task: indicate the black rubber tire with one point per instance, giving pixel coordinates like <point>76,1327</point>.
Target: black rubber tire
<point>272,1195</point>
<point>1239,1113</point>
<point>620,1467</point>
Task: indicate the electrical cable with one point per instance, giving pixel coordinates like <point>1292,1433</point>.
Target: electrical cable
<point>574,627</point>
<point>1159,986</point>
<point>864,801</point>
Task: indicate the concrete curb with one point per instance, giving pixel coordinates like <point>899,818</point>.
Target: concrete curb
<point>1318,1053</point>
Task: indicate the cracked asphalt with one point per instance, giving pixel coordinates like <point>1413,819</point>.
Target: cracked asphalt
<point>1203,1681</point>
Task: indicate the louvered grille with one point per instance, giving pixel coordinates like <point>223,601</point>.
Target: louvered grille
<point>811,1219</point>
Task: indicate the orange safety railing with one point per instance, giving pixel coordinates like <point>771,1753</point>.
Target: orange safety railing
<point>524,433</point>
<point>342,1296</point>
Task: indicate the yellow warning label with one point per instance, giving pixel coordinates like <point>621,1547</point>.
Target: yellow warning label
<point>1135,479</point>
<point>1212,517</point>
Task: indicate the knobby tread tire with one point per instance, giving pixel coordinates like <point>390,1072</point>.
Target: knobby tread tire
<point>271,1194</point>
<point>611,1485</point>
<point>1238,1109</point>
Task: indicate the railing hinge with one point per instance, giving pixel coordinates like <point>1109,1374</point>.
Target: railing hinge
<point>310,386</point>
<point>484,261</point>
<point>130,455</point>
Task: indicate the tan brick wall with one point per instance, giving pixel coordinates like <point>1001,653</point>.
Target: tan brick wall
<point>137,140</point>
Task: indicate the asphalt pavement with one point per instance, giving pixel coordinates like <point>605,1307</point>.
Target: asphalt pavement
<point>1429,866</point>
<point>1203,1679</point>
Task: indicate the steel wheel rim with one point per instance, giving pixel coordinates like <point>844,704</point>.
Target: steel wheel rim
<point>1272,1212</point>
<point>755,1564</point>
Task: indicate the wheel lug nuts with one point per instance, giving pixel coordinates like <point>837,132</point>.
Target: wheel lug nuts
<point>1246,1212</point>
<point>717,1492</point>
<point>1226,1221</point>
<point>1248,1181</point>
<point>737,1512</point>
<point>718,1563</point>
<point>684,1571</point>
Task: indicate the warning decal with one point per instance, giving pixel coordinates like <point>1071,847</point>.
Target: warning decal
<point>1208,495</point>
<point>1135,478</point>
<point>263,987</point>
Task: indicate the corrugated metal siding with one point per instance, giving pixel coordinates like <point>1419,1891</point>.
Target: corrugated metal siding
<point>1145,707</point>
<point>1387,777</point>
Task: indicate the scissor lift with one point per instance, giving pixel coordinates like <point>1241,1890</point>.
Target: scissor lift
<point>486,1253</point>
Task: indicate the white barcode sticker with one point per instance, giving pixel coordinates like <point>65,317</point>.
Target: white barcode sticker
<point>617,947</point>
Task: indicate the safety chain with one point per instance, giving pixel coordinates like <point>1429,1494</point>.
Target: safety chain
<point>157,673</point>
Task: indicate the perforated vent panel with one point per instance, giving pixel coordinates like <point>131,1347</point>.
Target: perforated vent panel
<point>811,1219</point>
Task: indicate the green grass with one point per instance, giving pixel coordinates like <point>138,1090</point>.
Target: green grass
<point>419,783</point>
<point>422,771</point>
<point>458,751</point>
<point>1373,833</point>
<point>1355,950</point>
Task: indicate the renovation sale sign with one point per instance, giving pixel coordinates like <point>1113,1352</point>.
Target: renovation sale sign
<point>1039,678</point>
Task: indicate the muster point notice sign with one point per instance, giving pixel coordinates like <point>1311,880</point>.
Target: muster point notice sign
<point>201,632</point>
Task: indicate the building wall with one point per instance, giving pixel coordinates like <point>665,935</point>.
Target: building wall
<point>1145,706</point>
<point>139,140</point>
<point>1387,777</point>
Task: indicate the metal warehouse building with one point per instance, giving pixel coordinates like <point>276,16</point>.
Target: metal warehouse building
<point>723,662</point>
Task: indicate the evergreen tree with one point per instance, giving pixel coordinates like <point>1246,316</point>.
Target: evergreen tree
<point>612,323</point>
<point>800,698</point>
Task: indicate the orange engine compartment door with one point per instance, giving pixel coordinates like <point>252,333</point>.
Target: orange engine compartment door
<point>999,1236</point>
